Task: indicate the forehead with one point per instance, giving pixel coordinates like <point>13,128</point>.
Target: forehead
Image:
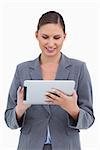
<point>51,29</point>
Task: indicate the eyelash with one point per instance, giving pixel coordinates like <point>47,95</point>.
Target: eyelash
<point>44,37</point>
<point>54,38</point>
<point>57,38</point>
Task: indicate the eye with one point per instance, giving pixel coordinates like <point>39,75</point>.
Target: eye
<point>45,37</point>
<point>56,37</point>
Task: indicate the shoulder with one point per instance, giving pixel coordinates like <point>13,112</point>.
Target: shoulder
<point>74,65</point>
<point>78,69</point>
<point>27,64</point>
<point>76,62</point>
<point>72,61</point>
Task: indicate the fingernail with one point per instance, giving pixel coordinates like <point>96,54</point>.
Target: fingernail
<point>46,93</point>
<point>54,90</point>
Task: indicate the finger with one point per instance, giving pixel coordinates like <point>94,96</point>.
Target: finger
<point>50,100</point>
<point>52,95</point>
<point>59,92</point>
<point>56,91</point>
<point>19,89</point>
<point>74,94</point>
<point>22,91</point>
<point>20,94</point>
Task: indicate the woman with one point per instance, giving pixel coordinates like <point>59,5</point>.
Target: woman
<point>51,127</point>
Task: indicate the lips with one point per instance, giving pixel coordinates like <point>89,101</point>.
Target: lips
<point>50,50</point>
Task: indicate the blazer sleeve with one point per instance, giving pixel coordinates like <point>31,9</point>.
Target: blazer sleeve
<point>10,114</point>
<point>85,101</point>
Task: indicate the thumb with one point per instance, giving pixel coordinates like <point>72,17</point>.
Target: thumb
<point>74,95</point>
<point>19,94</point>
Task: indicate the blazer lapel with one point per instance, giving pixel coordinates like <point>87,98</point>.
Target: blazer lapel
<point>35,71</point>
<point>63,69</point>
<point>36,74</point>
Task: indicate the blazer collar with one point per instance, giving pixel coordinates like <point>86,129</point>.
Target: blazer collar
<point>35,70</point>
<point>62,72</point>
<point>63,69</point>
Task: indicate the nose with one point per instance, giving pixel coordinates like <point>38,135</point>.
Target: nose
<point>51,42</point>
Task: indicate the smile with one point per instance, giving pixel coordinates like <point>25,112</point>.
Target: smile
<point>50,49</point>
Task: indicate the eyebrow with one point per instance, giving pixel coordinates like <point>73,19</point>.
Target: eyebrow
<point>57,35</point>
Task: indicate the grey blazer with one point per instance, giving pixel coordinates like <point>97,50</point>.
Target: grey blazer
<point>64,130</point>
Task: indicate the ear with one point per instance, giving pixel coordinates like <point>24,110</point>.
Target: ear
<point>36,34</point>
<point>65,34</point>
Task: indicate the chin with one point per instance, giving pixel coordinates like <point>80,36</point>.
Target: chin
<point>52,53</point>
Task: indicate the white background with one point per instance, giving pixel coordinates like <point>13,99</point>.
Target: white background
<point>18,22</point>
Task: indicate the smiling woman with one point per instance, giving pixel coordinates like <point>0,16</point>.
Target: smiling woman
<point>51,38</point>
<point>55,126</point>
<point>51,34</point>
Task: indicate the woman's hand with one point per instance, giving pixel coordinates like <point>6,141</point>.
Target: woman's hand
<point>68,103</point>
<point>21,106</point>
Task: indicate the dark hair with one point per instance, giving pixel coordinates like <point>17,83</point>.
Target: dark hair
<point>51,17</point>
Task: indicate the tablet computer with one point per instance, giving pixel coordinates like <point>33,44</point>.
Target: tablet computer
<point>35,90</point>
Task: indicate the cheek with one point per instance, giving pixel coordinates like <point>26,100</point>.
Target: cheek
<point>42,42</point>
<point>60,43</point>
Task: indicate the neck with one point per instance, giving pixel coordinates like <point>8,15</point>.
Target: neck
<point>50,60</point>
